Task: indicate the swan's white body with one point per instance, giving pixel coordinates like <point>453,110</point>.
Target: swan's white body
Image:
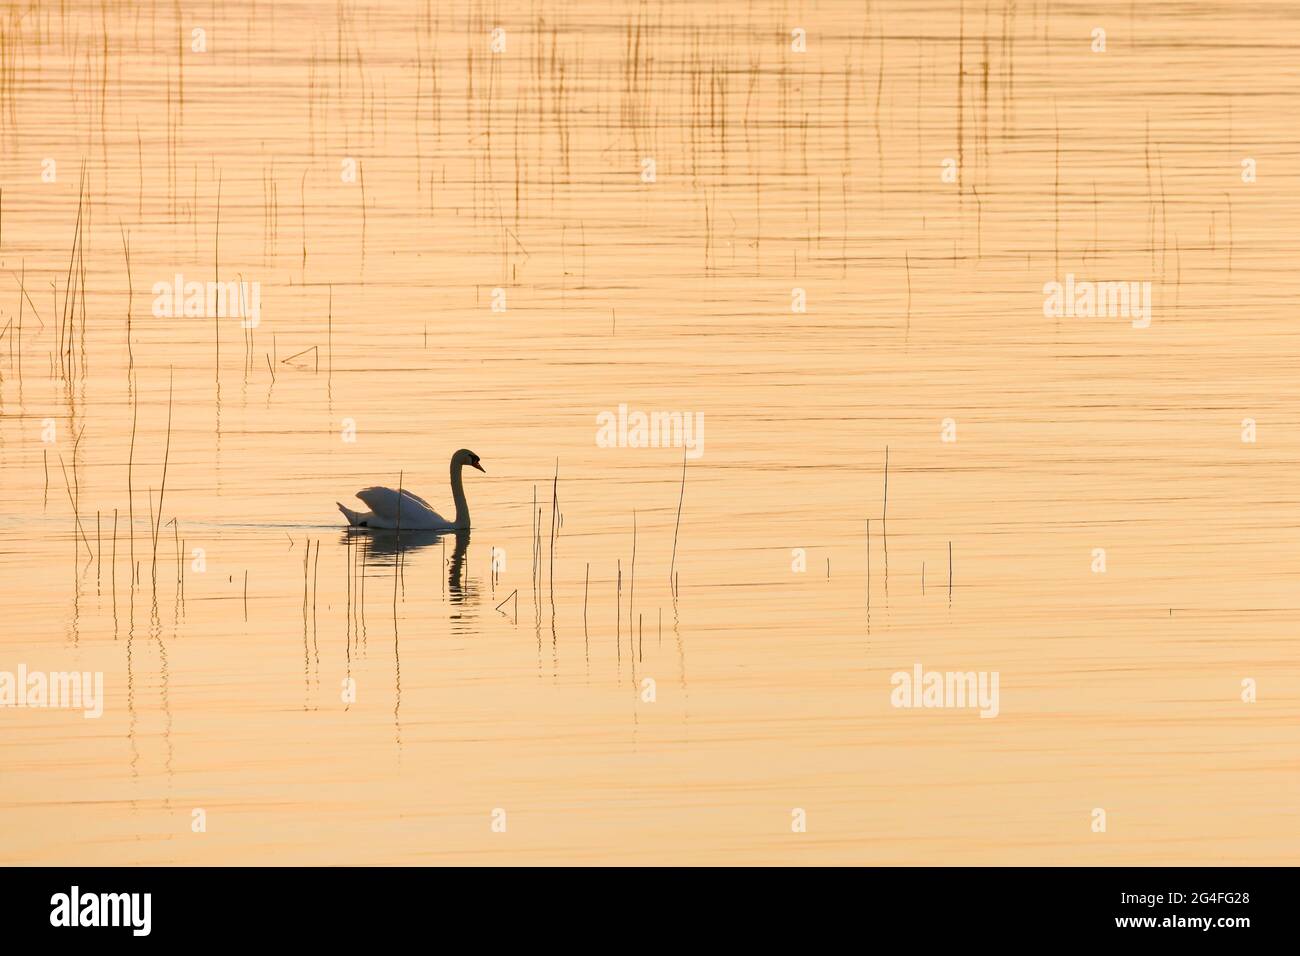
<point>390,510</point>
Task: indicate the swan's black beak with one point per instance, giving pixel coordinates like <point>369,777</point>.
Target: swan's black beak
<point>474,464</point>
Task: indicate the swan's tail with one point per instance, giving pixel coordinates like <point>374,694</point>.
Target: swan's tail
<point>354,517</point>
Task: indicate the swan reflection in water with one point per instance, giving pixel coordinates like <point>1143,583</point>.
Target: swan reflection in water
<point>384,548</point>
<point>392,549</point>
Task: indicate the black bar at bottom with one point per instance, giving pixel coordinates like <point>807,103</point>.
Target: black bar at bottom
<point>334,906</point>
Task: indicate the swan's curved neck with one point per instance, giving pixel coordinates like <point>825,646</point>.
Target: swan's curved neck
<point>458,496</point>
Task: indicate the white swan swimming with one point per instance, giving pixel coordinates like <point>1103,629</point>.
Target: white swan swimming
<point>389,510</point>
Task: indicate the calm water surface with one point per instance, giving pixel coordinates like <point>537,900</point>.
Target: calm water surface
<point>203,568</point>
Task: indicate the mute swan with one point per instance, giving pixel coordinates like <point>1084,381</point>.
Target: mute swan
<point>389,510</point>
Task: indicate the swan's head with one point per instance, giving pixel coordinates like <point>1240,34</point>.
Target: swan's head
<point>466,457</point>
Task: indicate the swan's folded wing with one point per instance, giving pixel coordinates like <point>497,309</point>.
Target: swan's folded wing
<point>384,502</point>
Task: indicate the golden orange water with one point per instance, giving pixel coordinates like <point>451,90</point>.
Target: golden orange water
<point>827,232</point>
